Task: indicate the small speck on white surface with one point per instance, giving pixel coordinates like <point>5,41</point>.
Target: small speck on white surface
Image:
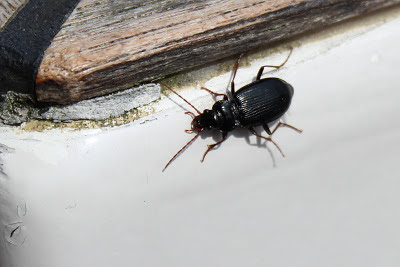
<point>100,198</point>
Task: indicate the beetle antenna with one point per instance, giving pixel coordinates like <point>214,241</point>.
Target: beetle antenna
<point>182,149</point>
<point>163,84</point>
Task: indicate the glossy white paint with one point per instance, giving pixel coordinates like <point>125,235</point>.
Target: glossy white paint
<point>99,198</point>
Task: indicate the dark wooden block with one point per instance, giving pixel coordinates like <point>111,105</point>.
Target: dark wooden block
<point>111,45</point>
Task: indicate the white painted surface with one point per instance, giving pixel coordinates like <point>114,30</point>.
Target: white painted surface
<point>99,198</point>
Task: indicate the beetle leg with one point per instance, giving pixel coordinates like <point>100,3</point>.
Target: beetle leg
<point>235,68</point>
<point>251,129</point>
<point>224,134</point>
<point>266,128</point>
<point>262,69</point>
<point>273,66</point>
<point>284,124</point>
<point>214,94</point>
<point>190,114</point>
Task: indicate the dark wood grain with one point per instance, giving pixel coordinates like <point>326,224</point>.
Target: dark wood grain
<point>111,45</point>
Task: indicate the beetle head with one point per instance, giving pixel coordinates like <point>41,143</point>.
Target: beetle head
<point>206,120</point>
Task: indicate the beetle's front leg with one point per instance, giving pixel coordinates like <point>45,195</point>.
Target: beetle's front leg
<point>192,116</point>
<point>224,134</point>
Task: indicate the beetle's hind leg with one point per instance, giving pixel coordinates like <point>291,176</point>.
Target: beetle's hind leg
<point>251,129</point>
<point>266,128</point>
<point>260,72</point>
<point>214,145</point>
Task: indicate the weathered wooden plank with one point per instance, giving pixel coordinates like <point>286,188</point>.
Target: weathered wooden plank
<point>111,45</point>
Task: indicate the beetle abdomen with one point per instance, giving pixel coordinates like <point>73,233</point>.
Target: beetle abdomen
<point>263,101</point>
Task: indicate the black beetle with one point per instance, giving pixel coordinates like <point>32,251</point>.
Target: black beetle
<point>258,103</point>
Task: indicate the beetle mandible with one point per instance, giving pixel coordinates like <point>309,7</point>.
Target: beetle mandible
<point>255,104</point>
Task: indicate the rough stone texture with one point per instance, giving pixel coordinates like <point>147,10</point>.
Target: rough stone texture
<point>16,109</point>
<point>102,108</point>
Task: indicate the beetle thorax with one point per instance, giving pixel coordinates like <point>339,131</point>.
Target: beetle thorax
<point>222,117</point>
<point>227,115</point>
